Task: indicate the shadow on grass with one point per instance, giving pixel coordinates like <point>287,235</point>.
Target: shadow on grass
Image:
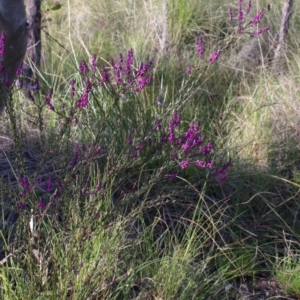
<point>131,228</point>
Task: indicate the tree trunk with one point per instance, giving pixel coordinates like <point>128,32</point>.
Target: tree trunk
<point>34,33</point>
<point>286,13</point>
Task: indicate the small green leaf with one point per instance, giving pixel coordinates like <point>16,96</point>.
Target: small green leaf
<point>56,6</point>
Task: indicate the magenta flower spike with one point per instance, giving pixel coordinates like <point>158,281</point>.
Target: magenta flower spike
<point>200,47</point>
<point>258,17</point>
<point>240,11</point>
<point>214,56</point>
<point>2,42</point>
<point>83,67</point>
<point>248,7</point>
<point>261,30</point>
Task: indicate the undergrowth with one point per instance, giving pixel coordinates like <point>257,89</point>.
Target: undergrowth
<point>142,164</point>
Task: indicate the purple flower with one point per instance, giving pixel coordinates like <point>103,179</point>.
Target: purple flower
<point>39,182</point>
<point>41,204</point>
<point>104,76</point>
<point>83,101</point>
<point>258,17</point>
<point>199,140</point>
<point>24,183</point>
<point>176,119</point>
<point>83,67</point>
<point>2,43</point>
<point>186,147</point>
<point>240,11</point>
<point>142,82</point>
<point>261,30</point>
<point>118,70</point>
<point>99,187</point>
<point>94,62</point>
<point>129,61</point>
<point>203,164</point>
<point>7,82</point>
<point>35,86</point>
<point>171,137</point>
<point>222,173</point>
<point>20,68</point>
<point>184,164</point>
<point>163,139</point>
<point>141,147</point>
<point>214,56</point>
<point>207,149</point>
<point>98,150</point>
<point>200,47</point>
<point>222,178</point>
<point>21,205</point>
<point>189,69</point>
<point>136,83</point>
<point>2,69</point>
<point>72,88</point>
<point>172,124</point>
<point>144,69</point>
<point>180,142</point>
<point>209,164</point>
<point>120,64</point>
<point>118,77</point>
<point>192,132</point>
<point>248,7</point>
<point>172,175</point>
<point>113,65</point>
<point>224,168</point>
<point>49,185</point>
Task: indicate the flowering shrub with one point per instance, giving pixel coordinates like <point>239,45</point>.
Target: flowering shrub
<point>244,24</point>
<point>178,149</point>
<point>113,156</point>
<point>185,149</point>
<point>119,76</point>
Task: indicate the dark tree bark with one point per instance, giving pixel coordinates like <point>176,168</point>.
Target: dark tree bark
<point>34,32</point>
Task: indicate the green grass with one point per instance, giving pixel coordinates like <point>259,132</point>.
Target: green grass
<point>287,272</point>
<point>122,220</point>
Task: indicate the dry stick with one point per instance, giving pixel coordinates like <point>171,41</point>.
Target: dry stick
<point>286,13</point>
